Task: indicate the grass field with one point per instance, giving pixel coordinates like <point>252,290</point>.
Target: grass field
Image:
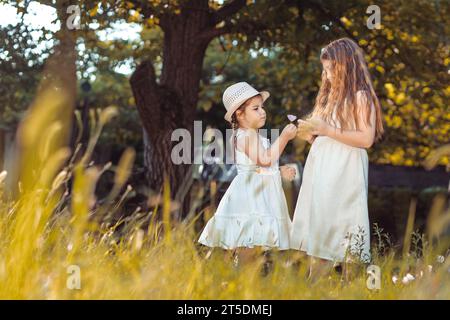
<point>56,244</point>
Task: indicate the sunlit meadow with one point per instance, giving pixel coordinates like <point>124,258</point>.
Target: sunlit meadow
<point>52,221</point>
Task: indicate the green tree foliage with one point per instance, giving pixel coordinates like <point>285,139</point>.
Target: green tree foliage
<point>273,46</point>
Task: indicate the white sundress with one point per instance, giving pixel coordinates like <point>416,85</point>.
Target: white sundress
<point>331,215</point>
<point>253,211</point>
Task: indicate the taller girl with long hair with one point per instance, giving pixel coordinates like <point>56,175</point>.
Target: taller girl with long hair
<point>331,216</point>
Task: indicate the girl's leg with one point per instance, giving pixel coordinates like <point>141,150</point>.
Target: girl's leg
<point>267,261</point>
<point>246,255</point>
<point>238,256</point>
<point>350,270</point>
<point>250,255</point>
<point>231,256</point>
<point>319,268</point>
<point>242,256</point>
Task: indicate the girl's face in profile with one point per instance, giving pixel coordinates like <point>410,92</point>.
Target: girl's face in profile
<point>328,69</point>
<point>253,116</point>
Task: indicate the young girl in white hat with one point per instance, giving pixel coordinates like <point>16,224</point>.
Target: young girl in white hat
<point>253,211</point>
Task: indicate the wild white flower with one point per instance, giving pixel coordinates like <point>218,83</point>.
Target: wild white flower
<point>394,279</point>
<point>430,268</point>
<point>3,175</point>
<point>408,278</point>
<point>440,259</point>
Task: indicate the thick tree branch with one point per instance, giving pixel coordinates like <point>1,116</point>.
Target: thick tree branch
<point>242,27</point>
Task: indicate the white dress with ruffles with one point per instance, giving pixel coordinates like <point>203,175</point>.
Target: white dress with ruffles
<point>253,211</point>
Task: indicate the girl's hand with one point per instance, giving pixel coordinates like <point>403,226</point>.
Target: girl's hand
<point>305,131</point>
<point>287,172</point>
<point>311,140</point>
<point>289,132</point>
<point>319,127</point>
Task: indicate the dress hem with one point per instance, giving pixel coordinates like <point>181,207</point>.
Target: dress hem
<point>319,256</point>
<point>244,246</point>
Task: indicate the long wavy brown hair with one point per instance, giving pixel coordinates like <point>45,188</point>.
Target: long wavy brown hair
<point>350,75</point>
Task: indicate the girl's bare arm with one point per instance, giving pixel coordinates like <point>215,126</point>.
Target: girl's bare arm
<point>253,148</point>
<point>362,138</point>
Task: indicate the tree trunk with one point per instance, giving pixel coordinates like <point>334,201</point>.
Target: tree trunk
<point>170,103</point>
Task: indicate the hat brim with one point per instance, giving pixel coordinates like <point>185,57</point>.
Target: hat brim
<point>264,95</point>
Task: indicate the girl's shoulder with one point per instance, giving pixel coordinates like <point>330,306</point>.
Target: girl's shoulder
<point>245,138</point>
<point>240,132</point>
<point>364,99</point>
<point>246,133</point>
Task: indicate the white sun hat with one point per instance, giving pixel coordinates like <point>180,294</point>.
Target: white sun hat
<point>236,94</point>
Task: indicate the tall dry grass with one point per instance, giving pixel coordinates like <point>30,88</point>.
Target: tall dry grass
<point>53,221</point>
